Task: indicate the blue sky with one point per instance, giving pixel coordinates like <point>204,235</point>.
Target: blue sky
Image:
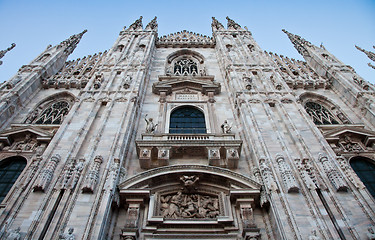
<point>32,25</point>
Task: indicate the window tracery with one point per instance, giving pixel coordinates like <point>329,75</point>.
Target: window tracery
<point>54,113</point>
<point>184,67</point>
<point>319,114</point>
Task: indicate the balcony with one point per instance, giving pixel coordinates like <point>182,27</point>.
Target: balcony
<point>156,150</point>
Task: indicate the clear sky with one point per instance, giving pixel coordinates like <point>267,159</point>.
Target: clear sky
<point>339,24</point>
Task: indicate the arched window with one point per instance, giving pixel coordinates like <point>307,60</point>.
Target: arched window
<point>320,114</point>
<point>187,120</point>
<point>185,67</point>
<point>365,170</point>
<point>10,169</point>
<point>54,114</point>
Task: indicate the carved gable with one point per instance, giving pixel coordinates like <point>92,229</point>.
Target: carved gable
<point>170,84</point>
<point>185,39</point>
<point>351,139</point>
<point>24,138</point>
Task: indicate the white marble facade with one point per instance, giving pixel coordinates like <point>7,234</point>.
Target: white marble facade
<point>103,150</point>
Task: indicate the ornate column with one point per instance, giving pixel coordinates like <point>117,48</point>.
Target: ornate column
<point>46,175</point>
<point>131,230</point>
<point>92,176</point>
<point>333,175</point>
<point>286,174</point>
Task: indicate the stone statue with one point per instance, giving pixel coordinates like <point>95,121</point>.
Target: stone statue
<point>26,145</point>
<point>189,182</point>
<point>14,234</point>
<point>69,235</point>
<point>32,116</point>
<point>314,235</point>
<point>150,128</point>
<point>225,127</point>
<point>371,233</point>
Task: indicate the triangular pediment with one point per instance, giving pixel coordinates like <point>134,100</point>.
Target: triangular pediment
<point>9,135</point>
<point>337,132</point>
<point>366,136</point>
<point>171,84</point>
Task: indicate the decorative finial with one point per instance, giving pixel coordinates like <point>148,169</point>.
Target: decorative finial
<point>369,54</point>
<point>137,24</point>
<point>232,24</point>
<point>153,25</point>
<point>72,42</point>
<point>3,52</point>
<point>299,43</point>
<point>216,24</point>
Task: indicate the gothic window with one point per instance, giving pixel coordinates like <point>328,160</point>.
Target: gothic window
<point>10,169</point>
<point>187,120</point>
<point>320,114</point>
<point>185,67</point>
<point>365,170</point>
<point>53,114</point>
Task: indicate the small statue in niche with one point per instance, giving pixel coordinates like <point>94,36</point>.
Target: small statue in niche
<point>14,234</point>
<point>313,235</point>
<point>33,116</point>
<point>226,128</point>
<point>150,128</point>
<point>371,233</point>
<point>69,235</point>
<point>127,81</point>
<point>203,72</point>
<point>168,71</point>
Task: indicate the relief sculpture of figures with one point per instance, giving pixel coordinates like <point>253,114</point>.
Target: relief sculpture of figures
<point>150,127</point>
<point>182,205</point>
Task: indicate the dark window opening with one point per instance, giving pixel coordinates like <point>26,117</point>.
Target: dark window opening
<point>365,170</point>
<point>10,169</point>
<point>187,120</point>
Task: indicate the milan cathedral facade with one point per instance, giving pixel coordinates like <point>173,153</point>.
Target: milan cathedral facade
<point>187,136</point>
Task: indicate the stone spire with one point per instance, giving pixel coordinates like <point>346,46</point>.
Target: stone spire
<point>216,24</point>
<point>71,43</point>
<point>3,52</point>
<point>136,25</point>
<point>299,43</point>
<point>369,54</point>
<point>232,24</point>
<point>153,25</point>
